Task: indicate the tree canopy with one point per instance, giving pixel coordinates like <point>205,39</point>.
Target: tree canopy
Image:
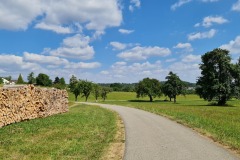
<point>31,78</point>
<point>216,77</point>
<point>173,86</point>
<point>148,87</point>
<point>20,79</point>
<point>43,80</point>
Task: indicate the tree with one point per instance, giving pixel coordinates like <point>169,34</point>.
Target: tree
<point>1,80</point>
<point>86,88</point>
<point>56,80</point>
<point>96,91</point>
<point>148,87</point>
<point>20,79</point>
<point>43,80</point>
<point>216,78</point>
<point>104,92</point>
<point>173,86</point>
<point>74,86</point>
<point>31,78</point>
<point>59,83</point>
<point>236,82</point>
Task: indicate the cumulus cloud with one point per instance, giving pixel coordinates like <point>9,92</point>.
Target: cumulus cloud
<point>134,4</point>
<point>179,4</point>
<point>53,15</point>
<point>125,31</point>
<point>202,35</point>
<point>55,28</point>
<point>118,45</point>
<point>76,46</point>
<point>185,46</point>
<point>233,46</point>
<point>42,59</point>
<point>236,6</point>
<point>192,58</point>
<point>210,20</point>
<point>18,14</point>
<point>83,65</point>
<point>143,53</point>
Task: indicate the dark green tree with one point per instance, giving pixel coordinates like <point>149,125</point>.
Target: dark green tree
<point>1,80</point>
<point>56,80</point>
<point>148,87</point>
<point>173,86</point>
<point>74,86</point>
<point>86,88</point>
<point>96,91</point>
<point>104,92</point>
<point>43,80</point>
<point>215,81</point>
<point>20,79</point>
<point>31,78</point>
<point>236,82</point>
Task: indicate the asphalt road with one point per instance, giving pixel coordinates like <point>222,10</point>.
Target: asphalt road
<point>152,137</point>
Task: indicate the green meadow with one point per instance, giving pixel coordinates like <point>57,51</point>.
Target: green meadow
<point>83,133</point>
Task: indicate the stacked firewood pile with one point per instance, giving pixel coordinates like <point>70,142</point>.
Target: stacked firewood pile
<point>29,102</point>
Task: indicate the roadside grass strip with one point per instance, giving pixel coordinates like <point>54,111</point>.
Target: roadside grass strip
<point>83,133</point>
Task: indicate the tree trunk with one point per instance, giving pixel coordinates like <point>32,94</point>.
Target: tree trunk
<point>151,99</point>
<point>76,98</point>
<point>170,99</point>
<point>222,101</point>
<point>175,99</point>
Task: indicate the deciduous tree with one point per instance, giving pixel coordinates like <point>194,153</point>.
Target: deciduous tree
<point>173,86</point>
<point>43,80</point>
<point>148,87</point>
<point>31,78</point>
<point>216,79</point>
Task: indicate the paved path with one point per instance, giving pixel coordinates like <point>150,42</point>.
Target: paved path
<point>152,137</point>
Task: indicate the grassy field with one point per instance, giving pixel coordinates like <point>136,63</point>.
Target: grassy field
<point>220,123</point>
<point>82,133</point>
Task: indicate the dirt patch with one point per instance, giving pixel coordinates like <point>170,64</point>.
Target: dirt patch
<point>117,147</point>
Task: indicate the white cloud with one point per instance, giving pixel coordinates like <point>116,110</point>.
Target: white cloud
<point>82,65</point>
<point>192,58</point>
<point>233,46</point>
<point>42,59</point>
<point>236,6</point>
<point>210,20</point>
<point>11,64</point>
<point>18,14</point>
<point>54,28</point>
<point>125,31</point>
<point>76,46</point>
<point>134,4</point>
<point>202,35</point>
<point>143,53</point>
<point>179,4</point>
<point>93,14</point>
<point>186,46</point>
<point>171,60</point>
<point>118,45</point>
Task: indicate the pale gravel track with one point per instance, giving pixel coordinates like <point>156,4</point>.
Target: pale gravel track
<point>153,137</point>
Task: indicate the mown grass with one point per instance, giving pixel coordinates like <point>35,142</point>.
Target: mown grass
<point>82,133</point>
<point>220,123</point>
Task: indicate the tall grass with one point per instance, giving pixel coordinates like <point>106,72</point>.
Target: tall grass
<point>82,133</point>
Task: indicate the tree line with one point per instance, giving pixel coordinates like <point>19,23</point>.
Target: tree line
<point>85,88</point>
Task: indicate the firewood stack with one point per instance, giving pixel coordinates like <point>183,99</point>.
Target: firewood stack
<point>29,102</point>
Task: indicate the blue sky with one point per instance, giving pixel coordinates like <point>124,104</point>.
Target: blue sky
<point>114,40</point>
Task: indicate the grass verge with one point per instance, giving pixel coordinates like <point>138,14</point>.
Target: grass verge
<point>82,133</point>
<point>222,124</point>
